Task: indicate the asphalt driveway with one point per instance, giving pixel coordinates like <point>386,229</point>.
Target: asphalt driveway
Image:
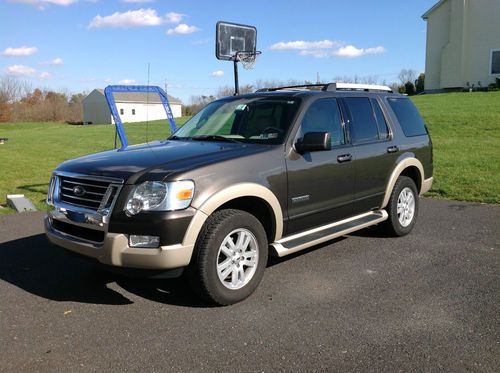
<point>426,302</point>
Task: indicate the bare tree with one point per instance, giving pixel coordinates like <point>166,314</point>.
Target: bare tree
<point>229,91</point>
<point>409,75</point>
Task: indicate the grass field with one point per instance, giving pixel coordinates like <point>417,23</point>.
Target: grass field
<point>465,129</point>
<point>35,149</point>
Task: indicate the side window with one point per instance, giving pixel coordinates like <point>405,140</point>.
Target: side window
<point>364,125</point>
<point>408,117</point>
<point>133,111</point>
<point>383,131</point>
<point>121,111</point>
<point>324,116</point>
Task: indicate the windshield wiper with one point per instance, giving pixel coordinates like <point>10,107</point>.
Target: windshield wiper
<point>215,138</point>
<point>175,137</point>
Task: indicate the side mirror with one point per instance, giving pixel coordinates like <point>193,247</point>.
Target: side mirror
<point>314,141</point>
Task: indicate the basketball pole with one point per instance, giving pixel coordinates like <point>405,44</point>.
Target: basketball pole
<point>236,83</point>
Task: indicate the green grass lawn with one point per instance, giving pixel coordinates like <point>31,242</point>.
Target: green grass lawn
<point>465,130</point>
<point>35,149</point>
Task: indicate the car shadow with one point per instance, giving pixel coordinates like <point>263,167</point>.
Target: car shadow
<point>34,265</point>
<point>276,260</point>
<point>373,231</point>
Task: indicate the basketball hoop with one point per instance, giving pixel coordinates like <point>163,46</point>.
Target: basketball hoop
<point>247,58</point>
<point>237,43</point>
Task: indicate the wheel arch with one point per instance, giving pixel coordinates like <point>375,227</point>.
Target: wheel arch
<point>250,197</point>
<point>408,166</point>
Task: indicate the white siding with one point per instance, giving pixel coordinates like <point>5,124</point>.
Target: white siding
<point>460,37</point>
<point>95,109</point>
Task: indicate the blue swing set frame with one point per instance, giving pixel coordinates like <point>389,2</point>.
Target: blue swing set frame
<point>120,130</point>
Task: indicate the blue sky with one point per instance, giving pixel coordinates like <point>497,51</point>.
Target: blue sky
<point>78,45</point>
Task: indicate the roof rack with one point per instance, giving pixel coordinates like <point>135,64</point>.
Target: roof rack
<point>335,86</point>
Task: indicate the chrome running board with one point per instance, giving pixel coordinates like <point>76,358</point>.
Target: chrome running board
<point>315,236</point>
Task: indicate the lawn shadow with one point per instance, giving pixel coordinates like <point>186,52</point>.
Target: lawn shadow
<point>34,265</point>
<point>35,188</point>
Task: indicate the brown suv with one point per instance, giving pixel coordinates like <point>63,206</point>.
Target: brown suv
<point>276,171</point>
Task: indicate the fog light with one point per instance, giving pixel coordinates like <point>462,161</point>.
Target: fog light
<point>143,241</point>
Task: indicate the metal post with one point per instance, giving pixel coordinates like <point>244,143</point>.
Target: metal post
<point>236,85</point>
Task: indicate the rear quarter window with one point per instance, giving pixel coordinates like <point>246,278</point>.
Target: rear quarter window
<point>408,116</point>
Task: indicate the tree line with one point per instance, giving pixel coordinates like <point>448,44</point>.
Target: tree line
<point>19,102</point>
<point>410,83</point>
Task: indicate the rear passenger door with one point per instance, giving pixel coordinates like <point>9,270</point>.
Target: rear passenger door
<point>374,152</point>
<point>320,183</point>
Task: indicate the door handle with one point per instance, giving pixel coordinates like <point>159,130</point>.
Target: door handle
<point>344,158</point>
<point>392,149</point>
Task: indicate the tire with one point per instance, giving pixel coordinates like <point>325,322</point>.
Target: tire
<point>219,272</point>
<point>404,193</point>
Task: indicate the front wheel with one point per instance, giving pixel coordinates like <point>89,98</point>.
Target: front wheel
<point>402,207</point>
<point>229,257</point>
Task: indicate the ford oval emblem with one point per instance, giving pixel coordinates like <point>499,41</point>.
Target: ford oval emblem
<point>79,191</point>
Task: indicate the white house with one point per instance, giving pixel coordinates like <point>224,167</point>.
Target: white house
<point>132,107</point>
<point>463,44</point>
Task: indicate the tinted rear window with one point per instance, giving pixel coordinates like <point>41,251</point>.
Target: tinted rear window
<point>408,117</point>
<point>364,126</point>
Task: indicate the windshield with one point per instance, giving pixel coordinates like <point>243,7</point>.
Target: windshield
<point>263,120</point>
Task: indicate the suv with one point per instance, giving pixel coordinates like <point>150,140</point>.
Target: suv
<point>275,171</point>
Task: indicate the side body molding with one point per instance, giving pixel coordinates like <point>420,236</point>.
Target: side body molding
<point>226,195</point>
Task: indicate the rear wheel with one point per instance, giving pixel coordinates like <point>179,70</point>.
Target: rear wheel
<point>402,207</point>
<point>229,257</point>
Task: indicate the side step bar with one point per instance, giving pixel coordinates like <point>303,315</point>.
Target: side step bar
<point>303,240</point>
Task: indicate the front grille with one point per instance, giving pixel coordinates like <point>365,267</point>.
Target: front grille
<point>87,193</point>
<point>77,231</point>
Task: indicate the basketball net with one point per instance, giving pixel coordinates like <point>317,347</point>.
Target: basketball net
<point>247,59</point>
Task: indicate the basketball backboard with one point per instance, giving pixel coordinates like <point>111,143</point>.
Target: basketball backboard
<point>232,38</point>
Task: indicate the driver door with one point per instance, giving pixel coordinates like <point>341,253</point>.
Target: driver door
<point>320,183</point>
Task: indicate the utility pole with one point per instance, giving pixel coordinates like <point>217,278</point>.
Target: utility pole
<point>166,85</point>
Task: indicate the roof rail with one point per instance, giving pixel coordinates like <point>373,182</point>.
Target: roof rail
<point>338,86</point>
<point>335,86</point>
<point>319,86</point>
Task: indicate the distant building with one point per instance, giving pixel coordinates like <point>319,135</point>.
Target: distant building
<point>132,107</point>
<point>463,44</point>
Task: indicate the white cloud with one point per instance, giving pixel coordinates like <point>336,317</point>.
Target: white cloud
<point>127,81</point>
<point>131,18</point>
<point>182,29</point>
<point>352,51</point>
<point>218,74</point>
<point>45,75</point>
<point>326,48</point>
<point>20,70</point>
<point>56,62</point>
<point>41,4</point>
<point>107,80</point>
<point>303,45</point>
<point>20,52</point>
<point>173,17</point>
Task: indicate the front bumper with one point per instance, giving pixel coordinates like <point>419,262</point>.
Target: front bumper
<point>115,251</point>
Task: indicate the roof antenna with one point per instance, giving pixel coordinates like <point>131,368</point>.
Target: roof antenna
<point>147,107</point>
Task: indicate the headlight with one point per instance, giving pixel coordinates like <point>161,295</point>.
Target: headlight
<point>160,196</point>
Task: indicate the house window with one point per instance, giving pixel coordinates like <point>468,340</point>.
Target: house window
<point>133,111</point>
<point>121,111</point>
<point>495,62</point>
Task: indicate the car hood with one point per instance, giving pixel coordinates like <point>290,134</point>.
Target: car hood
<point>157,159</point>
